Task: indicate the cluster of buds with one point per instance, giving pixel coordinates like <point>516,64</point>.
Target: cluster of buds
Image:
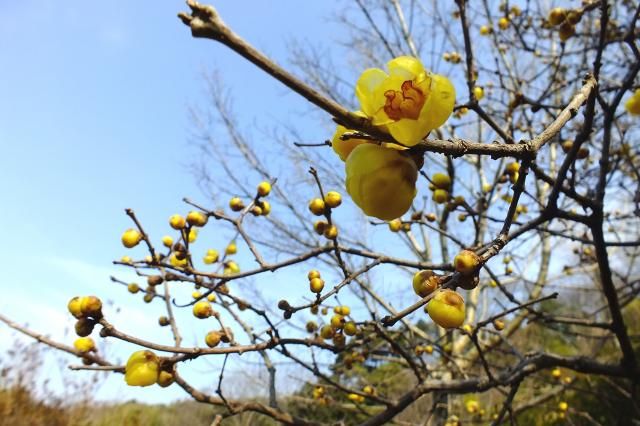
<point>566,20</point>
<point>323,207</point>
<point>88,311</point>
<point>453,57</point>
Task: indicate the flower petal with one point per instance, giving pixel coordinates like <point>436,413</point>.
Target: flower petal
<point>440,103</point>
<point>408,132</point>
<point>405,67</point>
<point>366,86</point>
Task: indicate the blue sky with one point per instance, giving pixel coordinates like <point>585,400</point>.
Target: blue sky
<point>93,119</point>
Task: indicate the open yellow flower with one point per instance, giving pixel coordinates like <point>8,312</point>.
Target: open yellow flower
<point>381,181</point>
<point>409,102</point>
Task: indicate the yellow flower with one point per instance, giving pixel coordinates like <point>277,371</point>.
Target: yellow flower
<point>142,369</point>
<point>633,103</point>
<point>381,181</point>
<point>344,147</point>
<point>409,102</point>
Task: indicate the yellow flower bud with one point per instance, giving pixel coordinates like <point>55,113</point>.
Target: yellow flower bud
<point>557,15</point>
<point>142,369</point>
<point>133,288</point>
<point>202,309</point>
<point>314,273</point>
<point>84,344</point>
<point>333,199</point>
<point>440,196</point>
<point>236,204</point>
<point>331,232</point>
<point>503,23</point>
<point>75,307</point>
<point>425,283</point>
<point>632,105</point>
<point>212,339</point>
<point>91,306</point>
<point>195,218</point>
<point>441,181</point>
<point>327,332</point>
<point>563,406</point>
<point>395,225</point>
<point>316,285</point>
<point>131,237</point>
<point>350,328</point>
<point>337,321</point>
<point>381,181</point>
<point>319,226</point>
<point>466,262</point>
<point>478,92</point>
<point>447,309</point>
<point>316,206</point>
<point>232,248</point>
<point>177,222</point>
<point>193,235</point>
<point>167,241</point>
<point>165,379</point>
<point>264,188</point>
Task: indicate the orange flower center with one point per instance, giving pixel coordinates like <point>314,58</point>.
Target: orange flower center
<point>404,104</point>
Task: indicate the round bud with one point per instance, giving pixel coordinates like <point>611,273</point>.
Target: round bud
<point>425,282</point>
<point>163,321</point>
<point>177,222</point>
<point>256,211</point>
<point>265,206</point>
<point>566,31</point>
<point>498,324</point>
<point>319,226</point>
<point>264,188</point>
<point>447,309</point>
<point>337,321</point>
<point>91,306</point>
<point>327,332</point>
<point>350,328</point>
<point>236,204</point>
<point>195,218</point>
<point>147,298</point>
<point>441,181</point>
<point>167,241</point>
<point>316,206</point>
<point>212,339</point>
<point>131,237</point>
<point>468,282</point>
<point>332,199</point>
<point>84,344</point>
<point>440,196</point>
<point>165,379</point>
<point>512,168</point>
<point>154,280</point>
<point>202,309</point>
<point>431,217</point>
<point>133,288</point>
<point>84,327</point>
<point>557,15</point>
<point>311,326</point>
<point>395,225</point>
<point>316,285</point>
<point>284,305</point>
<point>466,262</point>
<point>314,273</point>
<point>75,307</point>
<point>331,232</point>
<point>232,248</point>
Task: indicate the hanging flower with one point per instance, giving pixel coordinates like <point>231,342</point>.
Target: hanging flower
<point>381,181</point>
<point>408,102</point>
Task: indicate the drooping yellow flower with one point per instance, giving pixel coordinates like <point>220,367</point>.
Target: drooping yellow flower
<point>633,103</point>
<point>409,102</point>
<point>381,181</point>
<point>142,369</point>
